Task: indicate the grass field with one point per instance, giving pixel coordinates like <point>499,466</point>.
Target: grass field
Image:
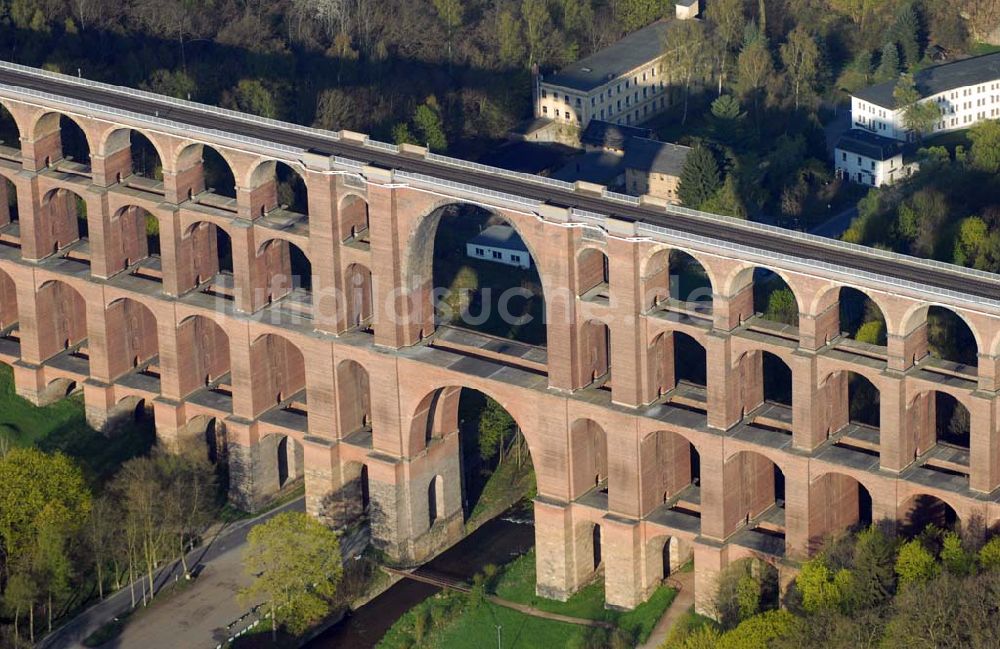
<point>453,621</point>
<point>62,426</point>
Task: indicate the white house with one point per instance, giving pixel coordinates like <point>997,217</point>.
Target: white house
<point>500,244</point>
<point>868,159</point>
<point>967,92</point>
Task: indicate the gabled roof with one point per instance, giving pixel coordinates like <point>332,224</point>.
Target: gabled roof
<point>500,236</point>
<point>605,134</point>
<point>940,78</point>
<point>639,47</point>
<point>655,157</point>
<point>869,145</point>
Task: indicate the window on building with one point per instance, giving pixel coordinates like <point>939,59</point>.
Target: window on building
<point>843,156</point>
<point>579,102</point>
<point>593,102</point>
<point>480,252</point>
<point>873,165</point>
<point>545,94</point>
<point>557,112</point>
<point>497,254</point>
<point>516,259</point>
<point>626,84</point>
<point>566,99</point>
<point>545,110</point>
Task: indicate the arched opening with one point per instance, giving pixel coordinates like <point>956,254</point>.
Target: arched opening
<point>352,503</point>
<point>64,329</point>
<point>353,220</point>
<point>204,176</point>
<point>853,410</point>
<point>137,233</point>
<point>845,504</point>
<point>353,398</point>
<point>62,387</point>
<point>360,303</point>
<point>208,364</point>
<point>942,427</point>
<point>285,270</point>
<point>676,360</point>
<point>593,276</point>
<point>279,380</point>
<point>756,488</point>
<point>210,254</point>
<point>864,402</point>
<point>10,231</point>
<point>595,542</point>
<point>10,135</point>
<point>435,500</point>
<point>281,463</point>
<point>922,510</point>
<point>132,340</point>
<point>75,148</point>
<point>773,299</point>
<point>676,280</point>
<point>209,433</point>
<point>665,555</point>
<point>475,438</point>
<point>595,355</point>
<point>950,339</point>
<point>482,276</point>
<point>861,319</point>
<point>63,221</point>
<point>132,158</point>
<point>9,317</point>
<point>589,459</point>
<point>671,472</point>
<point>292,195</point>
<point>766,388</point>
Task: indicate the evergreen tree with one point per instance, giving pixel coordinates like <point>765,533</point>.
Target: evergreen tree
<point>906,32</point>
<point>888,69</point>
<point>700,178</point>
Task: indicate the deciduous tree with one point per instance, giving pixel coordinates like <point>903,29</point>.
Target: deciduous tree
<point>801,58</point>
<point>685,55</point>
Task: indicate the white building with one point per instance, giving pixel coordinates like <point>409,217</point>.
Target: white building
<point>500,244</point>
<point>967,92</point>
<point>624,83</point>
<point>868,159</point>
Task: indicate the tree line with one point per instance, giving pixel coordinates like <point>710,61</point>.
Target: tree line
<point>63,541</point>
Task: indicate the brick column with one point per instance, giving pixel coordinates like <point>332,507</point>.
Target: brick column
<point>98,232</point>
<point>621,551</point>
<point>808,425</point>
<point>904,349</point>
<point>627,344</point>
<point>989,372</point>
<point>984,445</point>
<point>724,395</point>
<point>555,560</point>
<point>400,311</point>
<point>329,313</point>
<point>715,499</point>
<point>322,477</point>
<point>709,560</point>
<point>897,445</point>
<point>797,507</point>
<point>245,270</point>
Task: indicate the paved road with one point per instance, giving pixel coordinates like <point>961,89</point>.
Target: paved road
<point>194,619</point>
<point>910,270</point>
<point>684,582</point>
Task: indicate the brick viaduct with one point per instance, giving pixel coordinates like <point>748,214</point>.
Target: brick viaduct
<point>345,384</point>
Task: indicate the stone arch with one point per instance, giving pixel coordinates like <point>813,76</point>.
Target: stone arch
<point>764,281</point>
<point>62,387</point>
<point>353,500</point>
<point>130,152</point>
<point>63,325</point>
<point>665,554</point>
<point>196,174</point>
<point>133,340</point>
<point>674,274</point>
<point>353,217</point>
<point>756,487</point>
<point>129,409</point>
<point>765,378</point>
<point>208,361</point>
<point>281,462</point>
<point>274,184</point>
<point>60,136</point>
<point>360,296</point>
<point>964,336</point>
<point>850,398</point>
<point>61,220</point>
<point>282,268</point>
<point>592,273</point>
<point>919,510</point>
<point>420,261</point>
<point>595,354</point>
<point>10,128</point>
<point>210,254</point>
<point>675,356</point>
<point>670,463</point>
<point>354,400</point>
<point>938,417</point>
<point>9,208</point>
<point>210,431</point>
<point>853,307</point>
<point>135,233</point>
<point>838,502</point>
<point>588,445</point>
<point>281,374</point>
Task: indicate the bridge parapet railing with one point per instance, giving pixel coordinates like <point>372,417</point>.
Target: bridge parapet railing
<point>488,169</point>
<point>151,96</point>
<point>489,194</point>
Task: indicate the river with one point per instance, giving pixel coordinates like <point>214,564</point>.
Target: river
<point>499,541</point>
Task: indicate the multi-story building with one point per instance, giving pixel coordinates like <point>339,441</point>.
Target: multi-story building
<point>868,159</point>
<point>654,168</point>
<point>625,84</point>
<point>967,92</point>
